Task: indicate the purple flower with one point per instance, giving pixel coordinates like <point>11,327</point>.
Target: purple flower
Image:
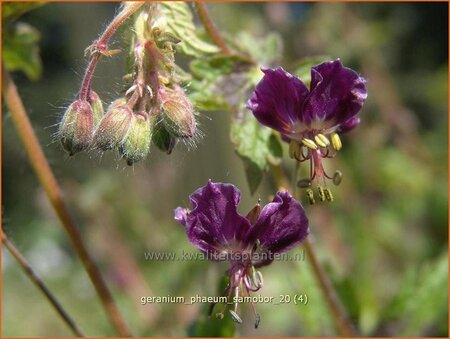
<point>310,119</point>
<point>216,228</point>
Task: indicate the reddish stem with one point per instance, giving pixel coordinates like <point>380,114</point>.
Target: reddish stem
<point>100,46</point>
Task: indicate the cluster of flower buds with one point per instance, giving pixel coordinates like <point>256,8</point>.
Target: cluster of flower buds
<point>155,107</point>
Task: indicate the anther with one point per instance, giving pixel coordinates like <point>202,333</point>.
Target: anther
<point>294,150</point>
<point>309,143</point>
<point>258,320</point>
<point>235,317</point>
<point>257,278</point>
<point>310,195</point>
<point>328,195</point>
<point>292,146</point>
<point>256,245</point>
<point>336,141</point>
<point>321,193</point>
<point>337,177</point>
<point>304,183</point>
<point>321,140</point>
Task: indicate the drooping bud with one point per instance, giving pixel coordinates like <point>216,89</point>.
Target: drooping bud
<point>163,139</point>
<point>97,107</point>
<point>114,126</point>
<point>76,127</point>
<point>178,112</point>
<point>136,145</point>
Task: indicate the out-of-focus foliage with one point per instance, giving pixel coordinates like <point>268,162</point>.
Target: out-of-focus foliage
<point>383,241</point>
<point>180,23</point>
<point>20,51</point>
<point>12,10</point>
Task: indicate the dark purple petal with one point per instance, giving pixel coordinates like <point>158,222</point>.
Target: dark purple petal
<point>337,94</point>
<point>281,226</point>
<point>214,225</point>
<point>349,124</point>
<point>277,100</point>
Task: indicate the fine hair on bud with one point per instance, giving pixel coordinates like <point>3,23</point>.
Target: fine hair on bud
<point>136,145</point>
<point>76,127</point>
<point>97,107</point>
<point>114,126</point>
<point>178,112</point>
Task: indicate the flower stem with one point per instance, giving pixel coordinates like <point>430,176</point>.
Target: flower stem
<point>100,46</point>
<point>211,28</point>
<point>337,310</point>
<point>54,193</point>
<point>41,285</point>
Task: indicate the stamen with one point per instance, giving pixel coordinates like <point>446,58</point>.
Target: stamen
<point>235,317</point>
<point>257,278</point>
<point>309,143</point>
<point>294,150</point>
<point>304,183</point>
<point>256,245</point>
<point>254,281</point>
<point>321,193</point>
<point>292,146</point>
<point>310,195</point>
<point>257,320</point>
<point>321,140</point>
<point>336,141</point>
<point>328,195</point>
<point>337,178</point>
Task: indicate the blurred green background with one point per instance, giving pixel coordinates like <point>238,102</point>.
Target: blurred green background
<point>383,242</point>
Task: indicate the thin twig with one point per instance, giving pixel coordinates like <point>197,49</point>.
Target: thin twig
<point>211,28</point>
<point>343,323</point>
<point>40,284</point>
<point>338,311</point>
<point>54,193</point>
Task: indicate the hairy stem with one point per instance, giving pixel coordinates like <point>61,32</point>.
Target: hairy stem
<point>210,28</point>
<point>100,46</point>
<point>337,310</point>
<point>40,284</point>
<point>54,193</point>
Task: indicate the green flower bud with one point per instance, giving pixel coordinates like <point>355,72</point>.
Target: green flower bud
<point>76,127</point>
<point>178,112</point>
<point>114,126</point>
<point>136,145</point>
<point>163,139</point>
<point>97,107</point>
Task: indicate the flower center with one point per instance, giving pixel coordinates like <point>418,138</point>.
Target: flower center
<point>313,148</point>
<point>243,279</point>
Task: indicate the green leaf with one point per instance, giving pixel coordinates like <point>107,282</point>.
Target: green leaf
<point>180,23</point>
<point>21,51</point>
<point>256,145</point>
<point>265,51</point>
<point>219,82</point>
<point>13,10</point>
